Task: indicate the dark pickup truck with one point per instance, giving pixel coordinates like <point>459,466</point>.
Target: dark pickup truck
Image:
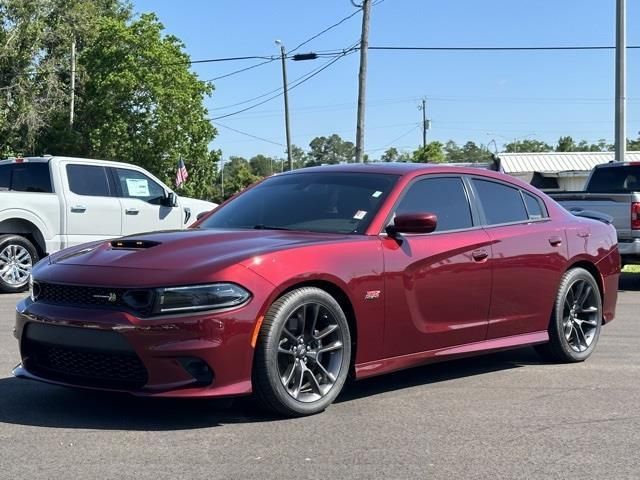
<point>613,189</point>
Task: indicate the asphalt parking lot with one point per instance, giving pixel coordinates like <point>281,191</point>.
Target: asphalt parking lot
<point>505,415</point>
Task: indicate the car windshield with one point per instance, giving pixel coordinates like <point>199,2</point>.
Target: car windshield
<point>331,202</point>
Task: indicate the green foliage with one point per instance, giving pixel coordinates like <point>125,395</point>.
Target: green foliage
<point>144,105</point>
<point>431,153</point>
<point>390,155</point>
<point>237,176</point>
<point>330,150</point>
<point>634,144</point>
<point>528,145</point>
<point>263,166</point>
<point>469,152</point>
<point>136,100</point>
<point>35,51</point>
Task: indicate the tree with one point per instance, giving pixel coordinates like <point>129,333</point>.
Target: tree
<point>390,155</point>
<point>634,144</point>
<point>474,153</point>
<point>453,152</point>
<point>261,165</point>
<point>142,104</point>
<point>237,176</point>
<point>431,153</point>
<point>35,50</point>
<point>330,150</point>
<point>528,145</point>
<point>566,144</point>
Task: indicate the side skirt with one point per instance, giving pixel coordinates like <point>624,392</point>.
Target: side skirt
<point>392,364</point>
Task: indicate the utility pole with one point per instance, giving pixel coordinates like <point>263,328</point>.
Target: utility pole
<point>73,81</point>
<point>362,78</point>
<point>283,55</point>
<point>620,139</point>
<point>425,122</point>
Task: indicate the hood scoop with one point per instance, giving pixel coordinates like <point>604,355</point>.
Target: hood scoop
<point>132,244</point>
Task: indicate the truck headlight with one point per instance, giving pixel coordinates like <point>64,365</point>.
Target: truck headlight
<point>200,297</point>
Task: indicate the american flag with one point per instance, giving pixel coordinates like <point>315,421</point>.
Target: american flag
<point>181,174</point>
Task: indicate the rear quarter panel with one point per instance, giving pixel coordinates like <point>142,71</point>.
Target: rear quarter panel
<point>595,242</point>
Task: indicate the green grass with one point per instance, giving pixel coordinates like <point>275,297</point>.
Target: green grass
<point>632,269</point>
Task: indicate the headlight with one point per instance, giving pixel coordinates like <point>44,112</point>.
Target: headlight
<point>33,298</point>
<point>200,297</point>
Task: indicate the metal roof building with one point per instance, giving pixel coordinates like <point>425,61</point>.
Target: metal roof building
<point>556,170</point>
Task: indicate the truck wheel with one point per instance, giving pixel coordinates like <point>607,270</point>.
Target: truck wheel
<point>17,257</point>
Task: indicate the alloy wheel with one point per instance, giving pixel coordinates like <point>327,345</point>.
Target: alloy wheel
<point>310,352</point>
<point>580,315</point>
<point>15,264</point>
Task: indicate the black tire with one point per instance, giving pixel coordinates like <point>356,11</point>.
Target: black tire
<point>576,320</point>
<point>16,243</point>
<point>270,361</point>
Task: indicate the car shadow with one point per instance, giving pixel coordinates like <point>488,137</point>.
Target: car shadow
<point>26,402</point>
<point>440,372</point>
<point>629,282</point>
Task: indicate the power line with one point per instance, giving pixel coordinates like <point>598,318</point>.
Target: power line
<point>325,30</point>
<point>508,49</point>
<point>247,134</point>
<point>280,89</point>
<point>241,70</point>
<point>308,77</point>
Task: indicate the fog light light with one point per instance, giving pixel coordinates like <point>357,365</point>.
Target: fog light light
<point>198,369</point>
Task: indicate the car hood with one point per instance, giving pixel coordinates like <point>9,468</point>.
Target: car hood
<point>188,249</point>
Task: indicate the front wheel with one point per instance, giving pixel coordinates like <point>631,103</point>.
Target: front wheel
<point>576,320</point>
<point>17,257</point>
<point>303,353</point>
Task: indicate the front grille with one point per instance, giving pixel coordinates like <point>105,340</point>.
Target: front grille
<point>94,296</point>
<point>83,365</point>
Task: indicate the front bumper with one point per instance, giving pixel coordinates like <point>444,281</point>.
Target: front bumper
<point>113,350</point>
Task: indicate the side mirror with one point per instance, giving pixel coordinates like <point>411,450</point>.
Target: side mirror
<point>171,200</point>
<point>413,223</point>
<point>202,214</point>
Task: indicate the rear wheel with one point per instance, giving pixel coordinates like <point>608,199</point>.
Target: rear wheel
<point>576,320</point>
<point>17,257</point>
<point>303,353</point>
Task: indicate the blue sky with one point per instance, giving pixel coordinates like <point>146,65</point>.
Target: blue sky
<point>475,96</point>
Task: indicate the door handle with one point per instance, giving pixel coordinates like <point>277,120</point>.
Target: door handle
<point>132,211</point>
<point>480,255</point>
<point>555,241</point>
<point>79,209</point>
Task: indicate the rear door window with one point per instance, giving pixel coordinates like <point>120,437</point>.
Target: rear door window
<point>534,206</point>
<point>88,180</point>
<point>444,196</point>
<point>501,203</point>
<point>28,177</point>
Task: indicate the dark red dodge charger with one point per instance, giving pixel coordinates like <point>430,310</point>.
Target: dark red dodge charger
<point>317,274</point>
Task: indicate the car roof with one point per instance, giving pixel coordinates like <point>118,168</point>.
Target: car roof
<point>48,158</point>
<point>401,169</point>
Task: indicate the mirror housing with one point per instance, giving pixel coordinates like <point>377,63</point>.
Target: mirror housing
<point>413,223</point>
<point>171,200</point>
<point>202,214</point>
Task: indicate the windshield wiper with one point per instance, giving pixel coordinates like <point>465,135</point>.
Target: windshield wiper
<point>262,226</point>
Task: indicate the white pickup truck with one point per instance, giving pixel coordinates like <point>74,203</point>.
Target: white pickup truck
<point>49,203</point>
